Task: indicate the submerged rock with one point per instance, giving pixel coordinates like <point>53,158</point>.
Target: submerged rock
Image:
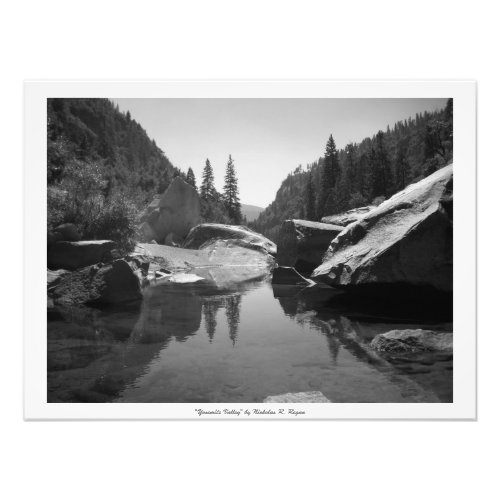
<point>289,276</point>
<point>397,341</point>
<point>174,213</point>
<point>101,284</point>
<point>298,397</point>
<point>346,218</point>
<point>408,239</point>
<point>204,234</point>
<point>302,243</point>
<point>76,254</point>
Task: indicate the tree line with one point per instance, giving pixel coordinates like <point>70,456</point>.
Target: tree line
<point>222,207</point>
<point>363,173</point>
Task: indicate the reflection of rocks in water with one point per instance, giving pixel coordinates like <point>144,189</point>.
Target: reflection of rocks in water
<point>78,356</point>
<point>232,278</point>
<point>168,311</point>
<point>314,306</point>
<point>233,304</point>
<point>300,303</point>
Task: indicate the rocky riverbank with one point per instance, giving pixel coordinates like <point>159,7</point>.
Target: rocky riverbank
<point>219,254</point>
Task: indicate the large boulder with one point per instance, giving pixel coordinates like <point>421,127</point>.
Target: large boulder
<point>76,254</point>
<point>302,243</point>
<point>407,240</point>
<point>101,284</point>
<point>346,218</point>
<point>176,212</point>
<point>205,234</point>
<point>405,341</point>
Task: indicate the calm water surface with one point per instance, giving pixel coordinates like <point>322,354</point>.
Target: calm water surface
<point>207,343</point>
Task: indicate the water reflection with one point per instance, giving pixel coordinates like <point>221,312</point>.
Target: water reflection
<point>233,304</point>
<point>222,341</point>
<point>340,323</point>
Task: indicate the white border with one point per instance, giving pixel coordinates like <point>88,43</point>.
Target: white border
<point>35,321</point>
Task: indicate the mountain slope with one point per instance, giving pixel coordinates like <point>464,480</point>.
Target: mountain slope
<point>370,171</point>
<point>95,131</point>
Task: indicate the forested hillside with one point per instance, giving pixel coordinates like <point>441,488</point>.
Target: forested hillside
<point>102,169</point>
<point>95,131</point>
<point>365,172</point>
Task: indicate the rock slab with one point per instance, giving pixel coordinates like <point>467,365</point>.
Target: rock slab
<point>408,239</point>
<point>205,234</point>
<point>73,255</point>
<point>302,243</point>
<point>69,232</point>
<point>348,217</point>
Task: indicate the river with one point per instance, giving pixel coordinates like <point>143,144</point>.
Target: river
<point>200,342</point>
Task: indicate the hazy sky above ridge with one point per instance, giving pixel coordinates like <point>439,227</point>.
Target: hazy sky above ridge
<point>267,138</point>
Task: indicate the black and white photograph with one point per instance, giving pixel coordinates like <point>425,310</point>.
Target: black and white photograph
<point>249,250</point>
<point>244,250</point>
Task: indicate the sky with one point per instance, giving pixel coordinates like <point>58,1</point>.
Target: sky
<point>267,138</point>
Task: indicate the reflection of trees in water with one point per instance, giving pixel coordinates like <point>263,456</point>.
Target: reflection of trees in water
<point>211,306</point>
<point>233,305</point>
<point>210,316</point>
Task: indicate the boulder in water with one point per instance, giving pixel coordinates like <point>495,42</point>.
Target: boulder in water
<point>101,284</point>
<point>302,243</point>
<point>407,240</point>
<point>205,234</point>
<point>404,341</point>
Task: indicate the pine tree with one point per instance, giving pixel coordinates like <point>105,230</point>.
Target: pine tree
<point>329,176</point>
<point>207,189</point>
<point>231,198</point>
<point>190,178</point>
<point>310,199</point>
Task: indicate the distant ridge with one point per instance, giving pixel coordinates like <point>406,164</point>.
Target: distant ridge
<point>251,212</point>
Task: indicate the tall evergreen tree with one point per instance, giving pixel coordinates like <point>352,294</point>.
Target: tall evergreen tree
<point>329,176</point>
<point>310,199</point>
<point>207,189</point>
<point>231,193</point>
